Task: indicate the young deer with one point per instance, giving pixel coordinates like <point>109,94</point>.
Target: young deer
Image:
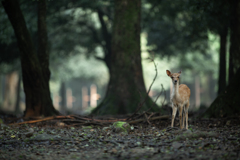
<point>180,99</point>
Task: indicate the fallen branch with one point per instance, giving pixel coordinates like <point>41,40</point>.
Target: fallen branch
<point>34,121</point>
<point>43,119</point>
<point>87,124</point>
<point>153,118</point>
<point>72,120</point>
<point>147,118</point>
<point>151,115</point>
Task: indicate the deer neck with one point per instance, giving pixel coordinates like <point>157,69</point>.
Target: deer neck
<point>175,92</point>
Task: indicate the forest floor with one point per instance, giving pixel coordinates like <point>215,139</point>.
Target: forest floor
<point>205,139</point>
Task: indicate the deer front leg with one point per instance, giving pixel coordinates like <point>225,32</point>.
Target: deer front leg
<point>174,111</point>
<point>180,116</point>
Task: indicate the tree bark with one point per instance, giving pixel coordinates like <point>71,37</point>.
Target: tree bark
<point>222,61</point>
<point>36,88</point>
<point>234,53</point>
<point>230,67</point>
<point>126,77</point>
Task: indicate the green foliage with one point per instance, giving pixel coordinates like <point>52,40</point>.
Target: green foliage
<point>121,126</point>
<point>214,14</point>
<point>173,28</point>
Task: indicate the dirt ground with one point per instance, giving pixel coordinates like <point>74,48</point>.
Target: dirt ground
<point>205,139</point>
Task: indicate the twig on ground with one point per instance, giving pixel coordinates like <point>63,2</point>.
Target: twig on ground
<point>86,123</point>
<point>147,118</point>
<point>34,121</point>
<point>151,115</point>
<point>153,118</point>
<point>108,141</point>
<point>73,120</point>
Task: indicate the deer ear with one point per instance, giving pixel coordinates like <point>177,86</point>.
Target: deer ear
<point>180,72</point>
<point>168,72</point>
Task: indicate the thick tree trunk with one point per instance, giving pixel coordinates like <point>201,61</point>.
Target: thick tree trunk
<point>38,100</point>
<point>43,53</point>
<point>126,77</point>
<point>222,61</point>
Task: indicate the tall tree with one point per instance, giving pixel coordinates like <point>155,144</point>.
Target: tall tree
<point>126,80</point>
<point>227,103</point>
<point>234,61</point>
<point>34,68</point>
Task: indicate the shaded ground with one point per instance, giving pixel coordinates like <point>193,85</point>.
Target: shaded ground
<point>205,139</point>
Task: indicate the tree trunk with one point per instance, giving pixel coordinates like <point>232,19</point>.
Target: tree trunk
<point>36,88</point>
<point>230,67</point>
<point>234,53</point>
<point>126,77</point>
<point>228,102</point>
<point>222,61</point>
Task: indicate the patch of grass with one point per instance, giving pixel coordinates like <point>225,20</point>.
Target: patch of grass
<point>41,132</point>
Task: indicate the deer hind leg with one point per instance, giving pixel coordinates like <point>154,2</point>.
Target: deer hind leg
<point>180,116</point>
<point>186,113</point>
<point>174,111</point>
